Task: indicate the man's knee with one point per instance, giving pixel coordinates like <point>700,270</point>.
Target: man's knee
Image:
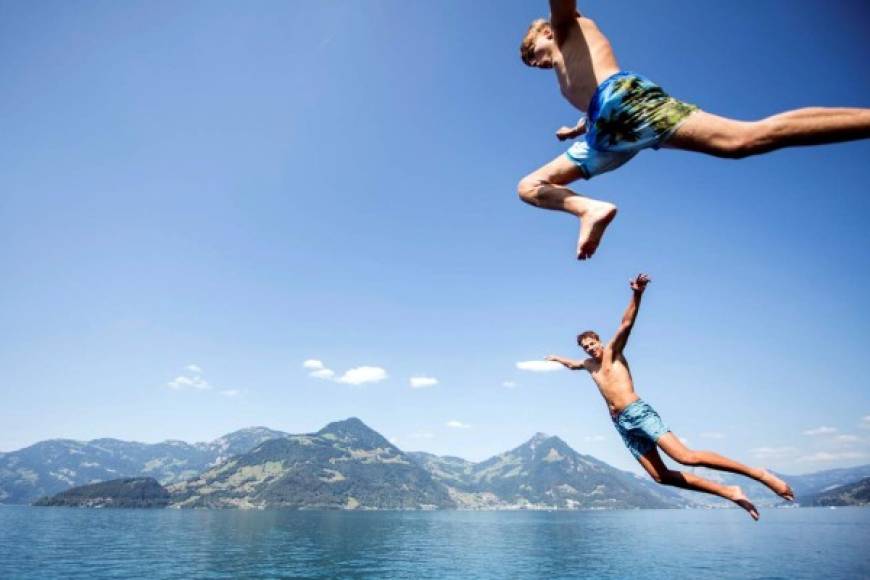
<point>529,188</point>
<point>688,457</point>
<point>748,139</point>
<point>667,477</point>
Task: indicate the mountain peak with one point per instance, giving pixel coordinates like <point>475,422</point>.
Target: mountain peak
<point>354,430</point>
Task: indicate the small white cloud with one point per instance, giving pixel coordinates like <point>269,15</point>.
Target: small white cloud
<point>393,440</point>
<point>594,438</point>
<point>183,382</point>
<point>822,456</point>
<point>362,375</point>
<point>322,374</point>
<point>847,439</point>
<point>820,431</point>
<point>423,382</point>
<point>313,364</point>
<point>230,393</point>
<point>509,385</point>
<point>772,452</point>
<point>539,366</point>
<point>454,424</point>
<point>712,435</point>
<point>865,422</point>
<point>194,369</point>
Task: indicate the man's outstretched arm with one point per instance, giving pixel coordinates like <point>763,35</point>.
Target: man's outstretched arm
<point>574,365</point>
<point>638,285</point>
<point>562,14</point>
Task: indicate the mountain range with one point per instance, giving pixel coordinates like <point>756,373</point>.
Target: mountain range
<point>350,466</point>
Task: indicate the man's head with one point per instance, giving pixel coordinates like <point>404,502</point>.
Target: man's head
<point>590,342</point>
<point>538,45</point>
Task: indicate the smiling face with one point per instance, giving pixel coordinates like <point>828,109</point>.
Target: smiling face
<point>590,342</point>
<point>538,45</point>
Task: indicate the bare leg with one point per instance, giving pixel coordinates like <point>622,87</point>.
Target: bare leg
<point>545,188</point>
<point>654,465</point>
<point>714,135</point>
<point>671,445</point>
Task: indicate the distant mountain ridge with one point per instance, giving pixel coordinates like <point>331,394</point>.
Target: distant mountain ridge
<point>348,465</point>
<point>49,467</point>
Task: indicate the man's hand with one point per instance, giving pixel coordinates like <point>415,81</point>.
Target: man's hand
<point>574,365</point>
<point>553,358</point>
<point>639,282</point>
<point>572,132</point>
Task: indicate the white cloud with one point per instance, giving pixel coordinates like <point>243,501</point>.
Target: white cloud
<point>194,369</point>
<point>393,440</point>
<point>820,431</point>
<point>712,435</point>
<point>594,438</point>
<point>539,366</point>
<point>826,456</point>
<point>847,439</point>
<point>183,382</point>
<point>230,393</point>
<point>509,385</point>
<point>772,452</point>
<point>362,375</point>
<point>454,424</point>
<point>313,364</point>
<point>322,374</point>
<point>423,382</point>
<point>865,422</point>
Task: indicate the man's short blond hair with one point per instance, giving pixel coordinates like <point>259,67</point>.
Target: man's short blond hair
<point>535,28</point>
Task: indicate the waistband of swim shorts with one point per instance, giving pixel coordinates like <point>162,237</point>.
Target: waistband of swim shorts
<point>592,109</point>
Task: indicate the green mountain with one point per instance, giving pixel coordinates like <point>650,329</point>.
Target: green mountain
<point>853,494</point>
<point>345,465</point>
<point>49,467</point>
<point>142,492</point>
<point>545,472</point>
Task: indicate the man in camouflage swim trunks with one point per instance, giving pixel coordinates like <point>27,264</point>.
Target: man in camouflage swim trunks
<point>641,428</point>
<point>626,112</point>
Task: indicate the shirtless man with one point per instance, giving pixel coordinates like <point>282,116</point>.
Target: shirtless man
<point>626,112</point>
<point>641,427</point>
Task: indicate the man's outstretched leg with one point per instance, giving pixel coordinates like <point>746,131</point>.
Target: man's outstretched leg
<point>653,464</point>
<point>671,445</point>
<point>722,137</point>
<point>546,188</point>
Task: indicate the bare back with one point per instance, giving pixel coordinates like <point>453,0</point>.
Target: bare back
<point>587,60</point>
<point>614,381</point>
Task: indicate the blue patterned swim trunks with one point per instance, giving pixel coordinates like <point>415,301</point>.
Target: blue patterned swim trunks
<point>640,427</point>
<point>627,113</point>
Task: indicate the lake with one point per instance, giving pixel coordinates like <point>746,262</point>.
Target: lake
<point>92,543</point>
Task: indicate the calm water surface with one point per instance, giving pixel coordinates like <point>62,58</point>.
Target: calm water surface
<point>83,543</point>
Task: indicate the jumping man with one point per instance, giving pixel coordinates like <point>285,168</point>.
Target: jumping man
<point>626,112</point>
<point>641,427</point>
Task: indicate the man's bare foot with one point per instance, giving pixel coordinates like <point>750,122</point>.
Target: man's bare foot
<point>737,496</point>
<point>776,485</point>
<point>595,220</point>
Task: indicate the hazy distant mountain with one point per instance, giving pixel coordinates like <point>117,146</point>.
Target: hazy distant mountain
<point>140,492</point>
<point>852,494</point>
<point>52,466</point>
<point>344,465</point>
<point>544,472</point>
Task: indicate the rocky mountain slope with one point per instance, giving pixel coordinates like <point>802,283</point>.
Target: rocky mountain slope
<point>49,467</point>
<point>141,492</point>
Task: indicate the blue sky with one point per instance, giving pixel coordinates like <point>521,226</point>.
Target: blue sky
<point>239,189</point>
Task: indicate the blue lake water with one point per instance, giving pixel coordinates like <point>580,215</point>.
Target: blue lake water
<point>89,543</point>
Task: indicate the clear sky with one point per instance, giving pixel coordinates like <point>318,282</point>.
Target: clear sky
<point>197,197</point>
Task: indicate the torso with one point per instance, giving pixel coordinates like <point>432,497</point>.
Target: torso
<point>614,382</point>
<point>587,60</point>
